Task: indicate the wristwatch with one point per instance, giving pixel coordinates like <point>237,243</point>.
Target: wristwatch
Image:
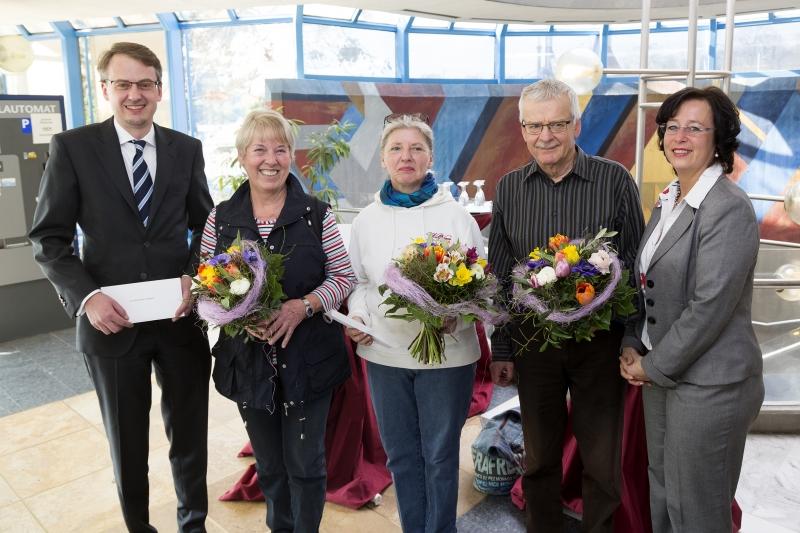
<point>309,309</point>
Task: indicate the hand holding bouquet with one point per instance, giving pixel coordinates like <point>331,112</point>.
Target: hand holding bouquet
<point>571,289</point>
<point>435,282</point>
<point>240,287</point>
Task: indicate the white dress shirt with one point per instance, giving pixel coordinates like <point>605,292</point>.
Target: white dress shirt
<point>128,150</point>
<point>669,214</point>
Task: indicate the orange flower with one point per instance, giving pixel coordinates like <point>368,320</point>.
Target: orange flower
<point>232,269</point>
<point>584,293</point>
<point>557,241</point>
<point>437,250</point>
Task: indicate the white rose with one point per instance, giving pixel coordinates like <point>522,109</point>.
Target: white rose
<point>546,275</point>
<point>443,273</point>
<point>601,260</point>
<point>240,286</point>
<point>477,271</point>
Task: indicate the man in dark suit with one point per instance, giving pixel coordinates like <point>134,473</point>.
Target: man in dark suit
<point>136,189</point>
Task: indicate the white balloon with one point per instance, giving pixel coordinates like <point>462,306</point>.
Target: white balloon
<point>788,271</point>
<point>16,53</point>
<point>791,202</point>
<point>580,68</point>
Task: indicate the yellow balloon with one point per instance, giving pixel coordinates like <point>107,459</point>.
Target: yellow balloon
<point>579,68</point>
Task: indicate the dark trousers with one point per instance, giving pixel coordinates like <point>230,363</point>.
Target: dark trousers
<point>289,446</point>
<point>123,387</point>
<point>590,371</point>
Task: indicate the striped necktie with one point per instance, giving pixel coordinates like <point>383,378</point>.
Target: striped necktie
<point>142,183</point>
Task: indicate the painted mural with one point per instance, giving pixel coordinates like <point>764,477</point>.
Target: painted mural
<point>477,134</point>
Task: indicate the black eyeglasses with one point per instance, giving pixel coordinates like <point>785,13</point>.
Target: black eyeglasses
<point>125,85</point>
<point>421,117</point>
<point>535,128</point>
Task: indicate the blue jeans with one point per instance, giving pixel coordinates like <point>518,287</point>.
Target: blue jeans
<point>420,416</point>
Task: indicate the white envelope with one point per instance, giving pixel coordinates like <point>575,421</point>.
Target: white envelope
<point>349,322</point>
<point>148,300</point>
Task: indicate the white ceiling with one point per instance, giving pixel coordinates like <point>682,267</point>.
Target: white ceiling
<point>501,11</point>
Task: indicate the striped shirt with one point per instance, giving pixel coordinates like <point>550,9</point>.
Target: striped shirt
<point>339,276</point>
<point>529,208</point>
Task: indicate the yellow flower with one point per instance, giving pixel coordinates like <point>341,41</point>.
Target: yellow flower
<point>462,277</point>
<point>482,262</point>
<point>571,254</point>
<point>536,254</point>
<point>420,240</point>
<point>234,248</point>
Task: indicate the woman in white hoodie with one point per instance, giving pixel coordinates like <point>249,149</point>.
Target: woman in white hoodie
<point>421,409</point>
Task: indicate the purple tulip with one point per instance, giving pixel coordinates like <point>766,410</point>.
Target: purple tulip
<point>562,269</point>
<point>534,281</point>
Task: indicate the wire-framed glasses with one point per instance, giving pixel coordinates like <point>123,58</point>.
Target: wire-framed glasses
<point>673,129</point>
<point>535,128</point>
<point>125,85</point>
<point>422,117</point>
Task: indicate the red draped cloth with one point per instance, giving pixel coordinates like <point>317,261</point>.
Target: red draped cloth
<point>356,460</point>
<point>633,514</point>
<point>353,451</point>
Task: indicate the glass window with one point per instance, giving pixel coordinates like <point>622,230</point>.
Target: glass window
<point>267,12</point>
<point>787,13</point>
<point>39,27</point>
<point>629,26</point>
<point>382,18</point>
<point>667,50</point>
<point>749,17</point>
<point>485,26</point>
<point>98,22</point>
<point>339,51</point>
<point>421,22</point>
<point>757,48</point>
<point>331,12</point>
<point>97,108</point>
<point>133,20</point>
<point>216,14</point>
<point>579,27</point>
<point>528,27</point>
<point>529,57</point>
<point>44,76</point>
<point>451,56</point>
<point>228,69</point>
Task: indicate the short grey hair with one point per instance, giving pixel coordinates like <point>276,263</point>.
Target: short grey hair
<point>550,89</point>
<point>264,123</point>
<point>407,122</point>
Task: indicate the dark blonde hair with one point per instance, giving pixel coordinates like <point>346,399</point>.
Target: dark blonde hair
<point>136,51</point>
<point>407,122</point>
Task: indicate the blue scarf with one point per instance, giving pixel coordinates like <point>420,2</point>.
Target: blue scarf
<point>389,196</point>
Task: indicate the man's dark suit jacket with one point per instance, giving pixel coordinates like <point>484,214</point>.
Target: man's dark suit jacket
<point>85,182</point>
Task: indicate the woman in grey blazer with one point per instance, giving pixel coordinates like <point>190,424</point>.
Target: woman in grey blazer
<point>694,344</point>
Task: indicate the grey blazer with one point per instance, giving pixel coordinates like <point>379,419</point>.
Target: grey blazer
<point>698,294</point>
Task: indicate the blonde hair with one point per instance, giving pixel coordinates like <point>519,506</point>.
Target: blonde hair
<point>407,122</point>
<point>264,123</point>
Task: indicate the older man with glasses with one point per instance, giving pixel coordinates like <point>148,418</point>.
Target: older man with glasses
<point>563,190</point>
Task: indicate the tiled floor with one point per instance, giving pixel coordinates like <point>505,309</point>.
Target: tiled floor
<point>55,472</point>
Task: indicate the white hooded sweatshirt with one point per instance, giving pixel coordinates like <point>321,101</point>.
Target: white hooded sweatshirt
<point>379,234</point>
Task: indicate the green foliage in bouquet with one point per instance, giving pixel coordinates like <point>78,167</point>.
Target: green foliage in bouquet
<point>570,290</point>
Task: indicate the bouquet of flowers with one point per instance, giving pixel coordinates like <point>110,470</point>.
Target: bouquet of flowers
<point>436,279</point>
<point>240,287</point>
<point>571,289</point>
